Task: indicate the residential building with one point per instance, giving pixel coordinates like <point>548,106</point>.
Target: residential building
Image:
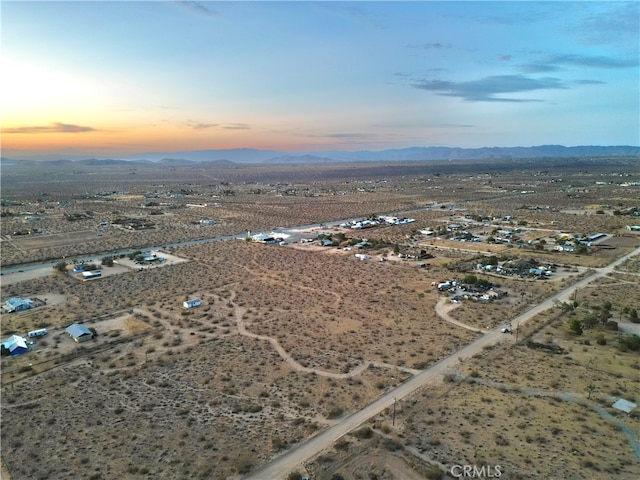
<point>16,345</point>
<point>16,304</point>
<point>79,332</point>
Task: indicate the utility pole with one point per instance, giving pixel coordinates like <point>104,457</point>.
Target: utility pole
<point>517,330</point>
<point>394,412</point>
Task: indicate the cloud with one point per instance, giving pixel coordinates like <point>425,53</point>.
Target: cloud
<point>539,68</point>
<point>348,136</point>
<point>53,128</point>
<point>609,23</point>
<point>555,62</point>
<point>200,126</point>
<point>453,125</point>
<point>420,48</point>
<point>356,12</point>
<point>197,7</point>
<point>225,126</point>
<point>589,82</point>
<point>435,45</point>
<point>487,89</point>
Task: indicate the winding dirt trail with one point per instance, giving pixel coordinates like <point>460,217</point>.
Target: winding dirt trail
<point>282,465</point>
<point>443,308</point>
<point>242,330</point>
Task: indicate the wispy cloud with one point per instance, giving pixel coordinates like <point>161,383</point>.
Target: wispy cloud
<point>434,46</point>
<point>612,22</point>
<point>197,7</point>
<point>196,125</point>
<point>555,62</point>
<point>349,135</point>
<point>237,126</point>
<point>589,82</point>
<point>340,135</point>
<point>488,89</point>
<point>201,126</point>
<point>357,12</point>
<point>53,128</point>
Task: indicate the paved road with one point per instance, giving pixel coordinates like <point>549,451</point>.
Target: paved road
<point>287,462</point>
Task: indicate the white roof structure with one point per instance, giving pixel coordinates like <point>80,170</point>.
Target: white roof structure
<point>624,405</point>
<point>194,302</point>
<point>16,344</point>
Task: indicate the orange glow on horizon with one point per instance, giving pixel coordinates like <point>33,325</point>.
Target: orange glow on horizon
<point>135,140</point>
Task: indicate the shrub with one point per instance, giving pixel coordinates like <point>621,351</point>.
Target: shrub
<point>335,412</point>
<point>363,433</point>
<point>342,444</point>
<point>391,444</point>
<point>433,473</point>
<point>60,267</point>
<point>244,463</point>
<point>629,342</point>
<point>575,326</point>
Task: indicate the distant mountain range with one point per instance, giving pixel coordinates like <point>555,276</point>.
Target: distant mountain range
<point>248,155</point>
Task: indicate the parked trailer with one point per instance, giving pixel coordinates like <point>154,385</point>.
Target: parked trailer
<point>91,274</point>
<point>37,333</point>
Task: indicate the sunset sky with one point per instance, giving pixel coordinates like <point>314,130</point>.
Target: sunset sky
<point>114,79</point>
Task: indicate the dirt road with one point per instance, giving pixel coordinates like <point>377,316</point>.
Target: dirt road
<point>442,310</point>
<point>281,466</point>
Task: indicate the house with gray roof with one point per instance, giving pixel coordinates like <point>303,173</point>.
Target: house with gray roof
<point>16,304</point>
<point>79,332</point>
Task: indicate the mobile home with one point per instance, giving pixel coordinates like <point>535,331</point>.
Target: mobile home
<point>37,333</point>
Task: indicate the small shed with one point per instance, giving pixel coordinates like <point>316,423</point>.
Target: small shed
<point>194,302</point>
<point>79,332</point>
<point>16,345</point>
<point>624,405</point>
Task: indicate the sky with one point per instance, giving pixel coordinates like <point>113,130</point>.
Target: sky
<point>90,79</point>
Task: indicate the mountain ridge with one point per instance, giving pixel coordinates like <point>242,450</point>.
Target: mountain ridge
<point>249,155</point>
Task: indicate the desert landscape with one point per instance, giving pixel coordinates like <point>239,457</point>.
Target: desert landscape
<point>322,288</point>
